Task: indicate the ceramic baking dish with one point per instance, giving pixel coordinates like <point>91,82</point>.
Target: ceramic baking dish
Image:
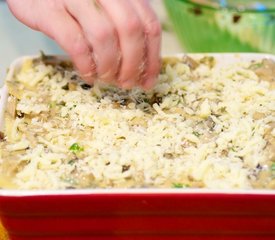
<point>138,213</point>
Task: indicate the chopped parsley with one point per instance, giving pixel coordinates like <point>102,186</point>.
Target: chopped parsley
<point>255,66</point>
<point>71,162</point>
<point>180,185</point>
<point>75,148</point>
<point>197,134</point>
<point>52,104</point>
<point>233,149</point>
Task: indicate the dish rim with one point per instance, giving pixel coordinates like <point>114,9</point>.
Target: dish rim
<point>132,191</point>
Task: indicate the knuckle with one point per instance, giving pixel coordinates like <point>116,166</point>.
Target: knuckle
<point>153,28</point>
<point>78,46</point>
<point>104,34</point>
<point>55,5</point>
<point>133,26</point>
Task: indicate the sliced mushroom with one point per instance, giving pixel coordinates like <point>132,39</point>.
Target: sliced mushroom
<point>125,168</point>
<point>2,136</point>
<point>168,155</point>
<point>172,61</point>
<point>54,61</point>
<point>190,62</point>
<point>13,164</point>
<point>72,86</point>
<point>262,179</point>
<point>14,89</point>
<point>208,61</point>
<point>138,121</point>
<point>271,184</point>
<point>86,180</point>
<point>116,105</point>
<point>155,99</point>
<point>270,146</point>
<point>210,123</point>
<point>126,183</point>
<point>258,115</point>
<point>265,70</point>
<point>125,101</point>
<point>11,106</point>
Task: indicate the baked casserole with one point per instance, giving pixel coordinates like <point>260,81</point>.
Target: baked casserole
<point>201,126</point>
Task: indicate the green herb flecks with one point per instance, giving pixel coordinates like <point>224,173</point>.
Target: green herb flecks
<point>255,66</point>
<point>223,109</point>
<point>180,185</point>
<point>72,162</point>
<point>209,61</point>
<point>272,170</point>
<point>75,148</point>
<point>52,104</point>
<point>197,134</point>
<point>233,149</point>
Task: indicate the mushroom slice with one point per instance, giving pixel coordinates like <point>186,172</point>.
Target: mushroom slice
<point>15,89</point>
<point>208,61</point>
<point>2,136</point>
<point>193,64</point>
<point>172,61</point>
<point>11,106</point>
<point>265,70</point>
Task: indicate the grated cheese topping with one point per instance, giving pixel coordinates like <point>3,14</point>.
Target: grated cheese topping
<point>201,126</point>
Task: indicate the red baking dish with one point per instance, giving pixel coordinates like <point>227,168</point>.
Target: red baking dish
<point>138,213</point>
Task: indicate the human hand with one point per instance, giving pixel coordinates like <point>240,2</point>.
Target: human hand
<point>115,41</point>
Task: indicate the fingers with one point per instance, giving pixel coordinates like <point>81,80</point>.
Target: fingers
<point>60,26</point>
<point>152,29</point>
<point>101,36</point>
<point>97,34</point>
<point>131,40</point>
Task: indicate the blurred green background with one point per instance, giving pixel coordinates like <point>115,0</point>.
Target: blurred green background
<point>224,26</point>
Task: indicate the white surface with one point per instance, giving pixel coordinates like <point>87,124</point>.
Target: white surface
<point>221,59</point>
<point>132,191</point>
<point>18,40</point>
<point>3,101</point>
